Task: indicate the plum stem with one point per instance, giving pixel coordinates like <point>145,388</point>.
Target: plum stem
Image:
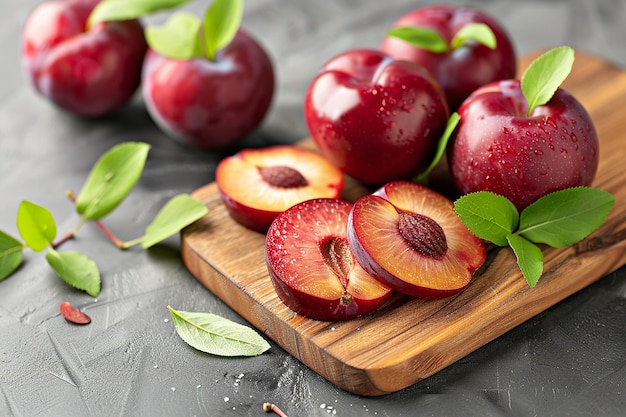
<point>68,236</point>
<point>105,230</point>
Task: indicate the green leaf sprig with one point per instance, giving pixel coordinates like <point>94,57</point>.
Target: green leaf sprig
<point>558,219</point>
<point>431,40</point>
<point>217,335</point>
<point>184,36</point>
<point>111,179</point>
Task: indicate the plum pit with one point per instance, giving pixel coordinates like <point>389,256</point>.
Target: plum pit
<point>282,176</point>
<point>423,234</point>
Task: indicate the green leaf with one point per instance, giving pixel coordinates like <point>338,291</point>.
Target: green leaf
<point>221,22</point>
<point>565,217</point>
<point>111,179</point>
<point>478,32</point>
<point>489,216</point>
<point>545,74</point>
<point>179,212</point>
<point>216,335</point>
<point>177,38</point>
<point>36,225</point>
<point>420,37</point>
<point>10,254</point>
<point>529,258</point>
<point>453,121</point>
<point>76,269</point>
<point>108,10</point>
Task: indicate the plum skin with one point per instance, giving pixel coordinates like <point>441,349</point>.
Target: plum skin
<point>210,104</point>
<point>461,71</point>
<point>300,273</point>
<point>375,118</point>
<point>497,147</point>
<point>89,73</point>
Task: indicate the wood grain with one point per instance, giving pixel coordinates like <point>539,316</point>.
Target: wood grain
<point>410,339</point>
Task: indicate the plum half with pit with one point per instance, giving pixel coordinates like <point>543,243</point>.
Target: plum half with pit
<point>410,238</point>
<point>258,184</point>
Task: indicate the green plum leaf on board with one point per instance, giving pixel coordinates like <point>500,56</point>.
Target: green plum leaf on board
<point>558,219</point>
<point>488,215</point>
<point>566,217</point>
<point>529,258</point>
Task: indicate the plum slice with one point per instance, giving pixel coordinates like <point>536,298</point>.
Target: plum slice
<point>258,184</point>
<point>311,265</point>
<point>410,238</point>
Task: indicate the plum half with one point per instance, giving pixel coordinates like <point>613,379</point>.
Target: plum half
<point>258,184</point>
<point>410,238</point>
<point>311,265</point>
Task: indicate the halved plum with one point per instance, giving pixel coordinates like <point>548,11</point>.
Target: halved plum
<point>311,265</point>
<point>258,184</point>
<point>410,238</point>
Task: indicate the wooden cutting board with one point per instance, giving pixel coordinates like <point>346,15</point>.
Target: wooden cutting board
<point>410,339</point>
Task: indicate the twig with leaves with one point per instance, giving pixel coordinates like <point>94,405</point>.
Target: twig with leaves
<point>108,184</point>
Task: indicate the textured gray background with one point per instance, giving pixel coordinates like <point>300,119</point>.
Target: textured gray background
<point>568,361</point>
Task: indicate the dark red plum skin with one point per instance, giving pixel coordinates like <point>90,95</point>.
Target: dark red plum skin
<point>210,104</point>
<point>465,69</point>
<point>497,148</point>
<point>89,72</point>
<point>375,118</point>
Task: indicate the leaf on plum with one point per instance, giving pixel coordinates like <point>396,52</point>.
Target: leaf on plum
<point>179,212</point>
<point>221,22</point>
<point>478,32</point>
<point>217,335</point>
<point>111,179</point>
<point>565,217</point>
<point>36,225</point>
<point>10,254</point>
<point>488,215</point>
<point>420,37</point>
<point>177,38</point>
<point>453,121</point>
<point>108,10</point>
<point>545,75</point>
<point>76,269</point>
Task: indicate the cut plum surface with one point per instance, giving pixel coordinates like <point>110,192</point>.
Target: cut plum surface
<point>258,184</point>
<point>311,265</point>
<point>410,238</point>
